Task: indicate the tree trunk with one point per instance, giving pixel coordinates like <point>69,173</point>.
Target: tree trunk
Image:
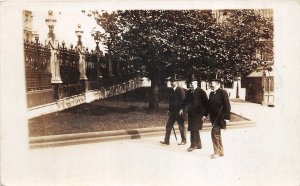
<point>154,92</point>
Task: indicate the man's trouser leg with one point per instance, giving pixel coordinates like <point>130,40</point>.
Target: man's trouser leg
<point>169,127</point>
<point>195,139</point>
<point>192,139</point>
<point>180,122</point>
<point>217,140</point>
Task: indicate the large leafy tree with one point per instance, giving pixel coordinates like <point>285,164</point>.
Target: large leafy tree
<point>160,43</point>
<point>243,33</point>
<point>165,42</point>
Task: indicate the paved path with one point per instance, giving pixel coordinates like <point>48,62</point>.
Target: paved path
<point>253,156</point>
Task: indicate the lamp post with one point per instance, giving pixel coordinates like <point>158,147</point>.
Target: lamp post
<point>50,21</point>
<point>79,32</point>
<point>110,68</point>
<point>63,44</point>
<point>264,76</point>
<point>237,85</point>
<point>98,36</point>
<point>36,38</point>
<point>82,63</point>
<point>54,62</point>
<point>97,40</point>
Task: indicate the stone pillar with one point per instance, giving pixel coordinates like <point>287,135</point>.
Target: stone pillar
<point>82,63</point>
<point>82,68</point>
<point>99,71</point>
<point>54,66</point>
<point>54,63</point>
<point>109,66</point>
<point>53,44</point>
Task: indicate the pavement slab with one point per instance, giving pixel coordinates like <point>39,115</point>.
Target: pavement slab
<point>146,162</point>
<point>260,155</point>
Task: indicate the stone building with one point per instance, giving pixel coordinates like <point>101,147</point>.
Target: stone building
<point>28,33</point>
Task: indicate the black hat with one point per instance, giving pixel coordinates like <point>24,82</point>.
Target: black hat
<point>193,78</point>
<point>173,78</point>
<point>170,79</point>
<point>216,78</point>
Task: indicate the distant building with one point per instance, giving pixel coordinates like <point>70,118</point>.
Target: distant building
<point>27,25</point>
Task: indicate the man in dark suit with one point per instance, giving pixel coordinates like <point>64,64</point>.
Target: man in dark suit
<point>219,113</point>
<point>196,103</point>
<point>175,112</point>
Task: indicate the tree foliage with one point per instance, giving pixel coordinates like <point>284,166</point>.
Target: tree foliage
<point>244,33</point>
<point>161,43</point>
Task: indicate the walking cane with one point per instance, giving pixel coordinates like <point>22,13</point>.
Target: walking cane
<point>217,116</point>
<point>174,133</point>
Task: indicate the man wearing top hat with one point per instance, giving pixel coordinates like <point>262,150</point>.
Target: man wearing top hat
<point>219,113</point>
<point>175,112</point>
<point>196,103</point>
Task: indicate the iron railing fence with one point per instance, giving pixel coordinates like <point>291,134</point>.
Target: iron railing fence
<point>37,66</point>
<point>91,66</point>
<point>69,65</point>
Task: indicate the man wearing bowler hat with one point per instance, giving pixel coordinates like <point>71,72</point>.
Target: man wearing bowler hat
<point>219,113</point>
<point>196,103</point>
<point>175,112</point>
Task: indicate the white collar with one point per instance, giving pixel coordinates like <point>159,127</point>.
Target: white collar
<point>214,91</point>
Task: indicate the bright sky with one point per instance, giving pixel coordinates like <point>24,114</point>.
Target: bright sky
<point>66,24</point>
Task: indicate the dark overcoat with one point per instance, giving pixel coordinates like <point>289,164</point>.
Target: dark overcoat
<point>176,100</point>
<point>219,107</point>
<point>196,103</point>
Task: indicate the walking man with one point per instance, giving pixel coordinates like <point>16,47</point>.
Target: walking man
<point>219,113</point>
<point>176,113</point>
<point>196,102</point>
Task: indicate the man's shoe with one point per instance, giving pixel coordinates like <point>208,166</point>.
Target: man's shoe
<point>199,147</point>
<point>213,156</point>
<point>182,143</point>
<point>191,149</point>
<point>164,143</point>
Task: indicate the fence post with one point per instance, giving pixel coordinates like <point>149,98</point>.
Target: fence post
<point>82,65</point>
<point>54,63</point>
<point>82,68</point>
<point>53,44</point>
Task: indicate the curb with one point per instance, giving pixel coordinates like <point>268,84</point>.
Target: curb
<point>81,138</point>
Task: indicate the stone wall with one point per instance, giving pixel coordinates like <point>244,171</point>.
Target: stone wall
<point>86,97</point>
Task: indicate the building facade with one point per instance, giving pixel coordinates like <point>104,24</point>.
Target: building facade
<point>27,25</point>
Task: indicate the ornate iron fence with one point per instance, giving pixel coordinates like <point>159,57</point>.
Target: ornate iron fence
<point>38,73</point>
<point>37,66</point>
<point>69,65</point>
<point>91,66</point>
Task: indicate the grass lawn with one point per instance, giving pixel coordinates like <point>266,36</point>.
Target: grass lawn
<point>127,111</point>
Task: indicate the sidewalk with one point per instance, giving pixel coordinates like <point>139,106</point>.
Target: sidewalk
<point>256,156</point>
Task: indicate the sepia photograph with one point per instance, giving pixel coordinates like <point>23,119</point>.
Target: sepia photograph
<point>149,93</point>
